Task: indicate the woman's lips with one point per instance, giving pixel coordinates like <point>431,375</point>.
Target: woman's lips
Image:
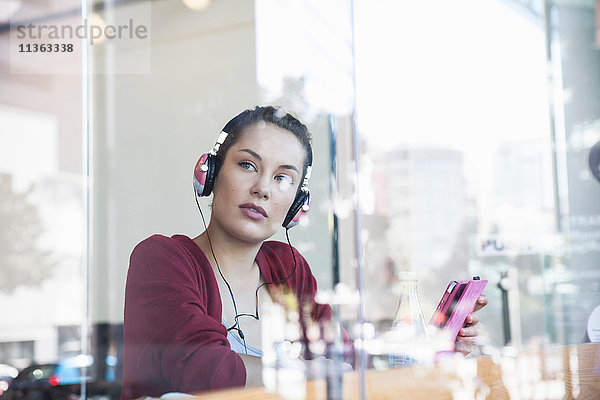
<point>253,211</point>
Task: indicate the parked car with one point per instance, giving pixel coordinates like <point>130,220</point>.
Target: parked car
<point>7,374</point>
<point>61,380</point>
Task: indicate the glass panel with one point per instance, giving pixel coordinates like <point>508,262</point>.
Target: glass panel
<point>304,63</point>
<point>153,117</point>
<point>465,173</point>
<point>468,164</point>
<point>572,280</point>
<point>41,198</point>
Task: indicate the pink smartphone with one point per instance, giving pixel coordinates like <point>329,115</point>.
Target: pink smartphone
<point>457,302</point>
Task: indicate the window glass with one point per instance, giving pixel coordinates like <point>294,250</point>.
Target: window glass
<point>42,191</point>
<point>469,167</point>
<point>476,153</point>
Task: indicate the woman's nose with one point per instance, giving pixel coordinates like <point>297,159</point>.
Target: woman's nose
<point>261,187</point>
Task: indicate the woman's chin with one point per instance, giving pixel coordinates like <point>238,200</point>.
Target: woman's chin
<point>254,234</point>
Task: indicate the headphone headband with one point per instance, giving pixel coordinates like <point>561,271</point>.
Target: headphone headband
<point>220,140</point>
<point>308,172</point>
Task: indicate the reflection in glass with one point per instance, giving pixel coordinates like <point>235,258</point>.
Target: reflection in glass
<point>41,213</point>
<point>457,156</point>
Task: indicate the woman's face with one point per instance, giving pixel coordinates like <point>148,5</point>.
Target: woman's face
<point>257,182</point>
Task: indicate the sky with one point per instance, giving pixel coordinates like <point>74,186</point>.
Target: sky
<point>464,73</point>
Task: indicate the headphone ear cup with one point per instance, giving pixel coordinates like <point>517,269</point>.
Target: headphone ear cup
<point>299,208</point>
<point>210,175</point>
<point>204,175</point>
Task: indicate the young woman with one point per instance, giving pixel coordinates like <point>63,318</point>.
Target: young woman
<point>191,305</point>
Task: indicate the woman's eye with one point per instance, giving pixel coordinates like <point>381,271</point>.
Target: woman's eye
<point>247,166</point>
<point>284,178</point>
<point>284,182</point>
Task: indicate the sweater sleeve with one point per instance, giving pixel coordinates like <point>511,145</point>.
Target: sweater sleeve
<point>174,344</point>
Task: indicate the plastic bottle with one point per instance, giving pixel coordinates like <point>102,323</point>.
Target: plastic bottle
<point>407,339</point>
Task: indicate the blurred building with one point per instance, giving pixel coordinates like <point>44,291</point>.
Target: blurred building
<point>420,194</point>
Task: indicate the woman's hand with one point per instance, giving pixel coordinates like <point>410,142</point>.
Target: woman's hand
<point>253,370</point>
<point>466,341</point>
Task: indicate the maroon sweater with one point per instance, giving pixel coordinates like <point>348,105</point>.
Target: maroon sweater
<point>173,335</point>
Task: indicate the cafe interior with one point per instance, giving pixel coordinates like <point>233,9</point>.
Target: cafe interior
<point>453,142</point>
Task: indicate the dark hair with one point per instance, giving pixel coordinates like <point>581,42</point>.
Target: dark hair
<point>268,114</point>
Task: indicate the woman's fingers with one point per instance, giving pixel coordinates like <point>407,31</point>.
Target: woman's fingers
<point>468,331</point>
<point>466,341</point>
<point>472,319</point>
<point>470,340</point>
<point>482,301</point>
<point>465,346</point>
